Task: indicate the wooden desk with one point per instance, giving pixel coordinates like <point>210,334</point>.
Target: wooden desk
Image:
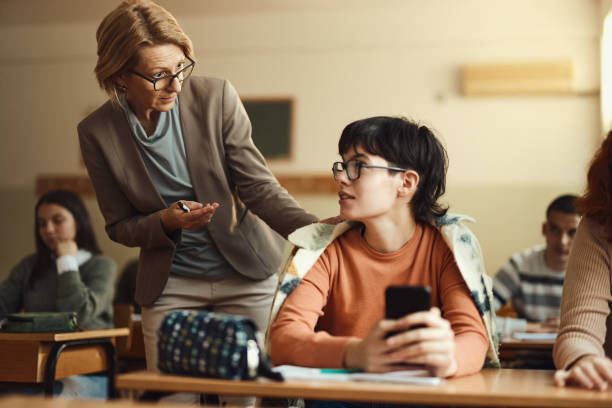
<point>491,387</point>
<point>514,344</point>
<point>35,357</point>
<point>512,349</point>
<point>20,401</point>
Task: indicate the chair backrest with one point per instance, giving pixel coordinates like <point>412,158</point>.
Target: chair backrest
<point>122,316</point>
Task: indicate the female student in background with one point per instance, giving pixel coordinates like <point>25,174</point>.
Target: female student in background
<point>583,348</point>
<point>67,273</point>
<point>392,173</point>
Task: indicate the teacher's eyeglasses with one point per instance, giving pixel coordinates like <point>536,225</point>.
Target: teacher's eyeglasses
<point>353,169</point>
<point>161,83</point>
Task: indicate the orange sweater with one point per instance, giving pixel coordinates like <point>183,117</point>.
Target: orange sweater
<point>342,296</point>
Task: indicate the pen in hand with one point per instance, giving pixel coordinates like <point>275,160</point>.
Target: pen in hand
<point>183,207</point>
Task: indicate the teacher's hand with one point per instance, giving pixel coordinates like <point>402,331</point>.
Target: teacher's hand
<point>199,215</point>
<point>592,372</point>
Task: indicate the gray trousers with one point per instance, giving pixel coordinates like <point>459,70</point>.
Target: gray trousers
<point>235,295</point>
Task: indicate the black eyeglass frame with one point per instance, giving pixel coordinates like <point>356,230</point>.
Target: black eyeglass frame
<point>173,77</point>
<point>359,165</point>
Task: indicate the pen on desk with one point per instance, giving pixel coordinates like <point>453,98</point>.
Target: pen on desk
<point>183,207</point>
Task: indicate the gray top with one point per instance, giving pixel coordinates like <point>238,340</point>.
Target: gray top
<point>163,153</point>
<point>254,213</point>
<point>87,291</point>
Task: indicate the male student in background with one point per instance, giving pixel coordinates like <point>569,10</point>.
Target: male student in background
<point>533,279</point>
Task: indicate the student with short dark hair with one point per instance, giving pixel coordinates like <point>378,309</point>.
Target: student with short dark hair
<point>533,279</point>
<point>392,173</point>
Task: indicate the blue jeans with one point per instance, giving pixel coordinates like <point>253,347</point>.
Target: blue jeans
<point>76,387</point>
<point>84,387</point>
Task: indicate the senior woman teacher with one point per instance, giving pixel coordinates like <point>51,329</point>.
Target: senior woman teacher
<point>163,137</point>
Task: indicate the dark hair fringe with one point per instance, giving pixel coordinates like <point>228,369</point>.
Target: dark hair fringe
<point>405,144</point>
<point>564,203</point>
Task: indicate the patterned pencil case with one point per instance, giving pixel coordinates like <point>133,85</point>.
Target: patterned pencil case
<point>214,345</point>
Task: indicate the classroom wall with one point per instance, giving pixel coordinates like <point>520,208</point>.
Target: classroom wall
<point>340,61</point>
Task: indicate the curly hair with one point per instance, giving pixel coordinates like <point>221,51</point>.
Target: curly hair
<point>596,202</point>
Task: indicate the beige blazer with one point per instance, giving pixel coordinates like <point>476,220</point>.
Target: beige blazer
<point>224,165</point>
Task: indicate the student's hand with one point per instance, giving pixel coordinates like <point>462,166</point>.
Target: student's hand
<point>370,354</point>
<point>68,247</point>
<point>432,345</point>
<point>200,215</point>
<point>592,372</point>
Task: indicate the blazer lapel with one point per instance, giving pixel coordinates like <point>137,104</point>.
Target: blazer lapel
<point>205,168</point>
<point>136,180</point>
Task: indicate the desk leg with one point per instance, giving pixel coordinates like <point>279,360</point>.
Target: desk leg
<point>50,367</point>
<point>111,360</point>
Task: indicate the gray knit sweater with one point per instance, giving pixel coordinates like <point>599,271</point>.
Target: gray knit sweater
<point>88,291</point>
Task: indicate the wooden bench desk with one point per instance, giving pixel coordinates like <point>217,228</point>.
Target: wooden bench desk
<point>43,357</point>
<point>489,388</point>
<point>514,344</point>
<point>21,401</point>
<point>511,349</point>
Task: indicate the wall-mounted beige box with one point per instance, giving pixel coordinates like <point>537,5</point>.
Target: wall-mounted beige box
<point>528,78</point>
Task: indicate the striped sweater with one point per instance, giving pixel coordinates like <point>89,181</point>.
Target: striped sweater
<point>534,289</point>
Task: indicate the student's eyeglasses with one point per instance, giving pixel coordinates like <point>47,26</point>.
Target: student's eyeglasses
<point>353,169</point>
<point>164,82</point>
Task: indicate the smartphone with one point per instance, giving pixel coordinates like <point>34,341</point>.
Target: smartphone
<point>403,300</point>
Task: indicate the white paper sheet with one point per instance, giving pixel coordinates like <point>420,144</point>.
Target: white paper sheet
<point>535,336</point>
<point>304,373</point>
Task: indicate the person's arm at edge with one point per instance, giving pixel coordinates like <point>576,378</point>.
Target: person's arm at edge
<point>585,293</point>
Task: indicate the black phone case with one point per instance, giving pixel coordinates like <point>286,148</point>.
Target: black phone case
<point>403,300</point>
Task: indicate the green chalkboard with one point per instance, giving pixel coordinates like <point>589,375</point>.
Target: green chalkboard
<point>271,121</point>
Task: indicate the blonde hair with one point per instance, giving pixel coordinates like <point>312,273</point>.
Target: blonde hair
<point>129,27</point>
